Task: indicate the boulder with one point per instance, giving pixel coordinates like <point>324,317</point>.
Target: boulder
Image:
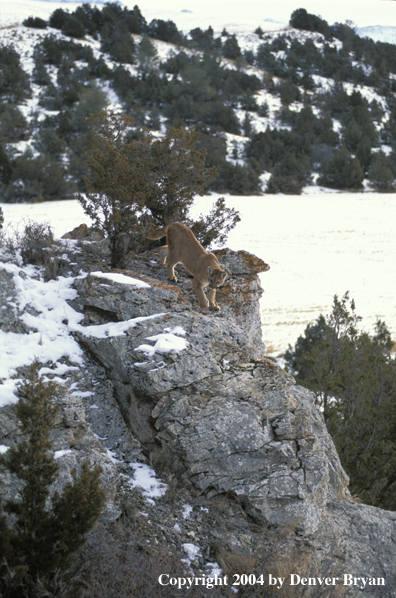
<point>191,392</point>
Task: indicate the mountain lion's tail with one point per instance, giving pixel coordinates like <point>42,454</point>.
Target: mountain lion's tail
<point>157,234</point>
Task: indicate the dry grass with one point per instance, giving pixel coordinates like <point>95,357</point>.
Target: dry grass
<point>36,244</point>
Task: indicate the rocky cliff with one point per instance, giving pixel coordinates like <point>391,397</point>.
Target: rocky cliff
<point>190,392</point>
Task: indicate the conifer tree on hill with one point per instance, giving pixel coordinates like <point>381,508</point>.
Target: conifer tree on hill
<point>137,181</point>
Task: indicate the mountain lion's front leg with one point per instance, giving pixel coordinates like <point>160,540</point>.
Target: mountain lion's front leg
<point>197,286</point>
<point>212,300</point>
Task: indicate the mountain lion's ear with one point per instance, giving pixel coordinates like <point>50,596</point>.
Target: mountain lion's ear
<point>227,271</point>
<point>210,270</point>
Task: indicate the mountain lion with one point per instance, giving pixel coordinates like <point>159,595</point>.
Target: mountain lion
<point>182,246</point>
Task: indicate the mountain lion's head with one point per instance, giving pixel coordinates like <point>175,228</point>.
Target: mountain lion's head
<point>217,277</point>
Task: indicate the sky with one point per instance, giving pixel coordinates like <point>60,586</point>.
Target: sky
<point>361,12</point>
<point>252,13</point>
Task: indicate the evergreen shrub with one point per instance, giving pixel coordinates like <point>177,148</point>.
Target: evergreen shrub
<point>40,74</point>
<point>137,181</point>
<point>342,171</point>
<point>380,174</point>
<point>42,537</point>
<point>73,27</point>
<point>13,125</point>
<point>58,18</point>
<point>14,81</point>
<point>353,377</point>
<point>35,23</point>
<point>36,179</point>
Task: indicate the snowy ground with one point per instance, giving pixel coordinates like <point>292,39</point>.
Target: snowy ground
<point>317,245</point>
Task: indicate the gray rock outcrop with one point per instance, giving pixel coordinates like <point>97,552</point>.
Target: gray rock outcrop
<point>215,416</point>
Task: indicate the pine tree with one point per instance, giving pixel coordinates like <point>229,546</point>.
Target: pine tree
<point>353,376</point>
<point>342,171</point>
<point>5,167</point>
<point>40,75</point>
<point>352,135</point>
<point>231,47</point>
<point>42,539</point>
<point>380,175</point>
<point>146,55</point>
<point>137,179</point>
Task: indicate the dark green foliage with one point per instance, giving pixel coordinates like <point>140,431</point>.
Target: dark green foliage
<point>42,539</point>
<point>14,82</point>
<point>342,171</point>
<point>301,19</point>
<point>288,184</point>
<point>204,93</point>
<point>219,115</point>
<point>270,147</point>
<point>352,135</point>
<point>146,56</point>
<point>289,175</point>
<point>237,179</point>
<point>52,50</point>
<point>263,109</point>
<point>353,376</point>
<point>35,23</point>
<point>135,21</point>
<point>98,68</point>
<point>132,172</point>
<point>231,48</point>
<point>82,14</point>
<point>363,153</point>
<point>118,42</point>
<point>40,74</point>
<point>40,178</point>
<point>166,31</point>
<point>176,63</point>
<point>49,51</point>
<point>380,174</point>
<point>58,18</point>
<point>49,142</point>
<point>73,27</point>
<point>5,167</point>
<point>204,40</point>
<point>13,125</point>
<point>288,92</point>
<point>116,182</point>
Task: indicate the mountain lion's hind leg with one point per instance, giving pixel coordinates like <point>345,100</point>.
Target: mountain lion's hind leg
<point>163,255</point>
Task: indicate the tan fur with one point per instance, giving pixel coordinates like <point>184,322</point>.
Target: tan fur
<point>182,246</point>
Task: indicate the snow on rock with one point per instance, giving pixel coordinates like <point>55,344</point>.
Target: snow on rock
<point>62,453</point>
<point>145,478</point>
<point>121,279</point>
<point>166,342</point>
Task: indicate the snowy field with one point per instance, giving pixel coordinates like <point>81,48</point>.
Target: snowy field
<point>317,245</point>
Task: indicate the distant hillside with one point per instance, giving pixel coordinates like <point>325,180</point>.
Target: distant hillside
<point>378,33</point>
<point>277,110</point>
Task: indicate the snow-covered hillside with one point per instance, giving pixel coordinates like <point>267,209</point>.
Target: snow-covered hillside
<point>378,33</point>
<point>268,59</point>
